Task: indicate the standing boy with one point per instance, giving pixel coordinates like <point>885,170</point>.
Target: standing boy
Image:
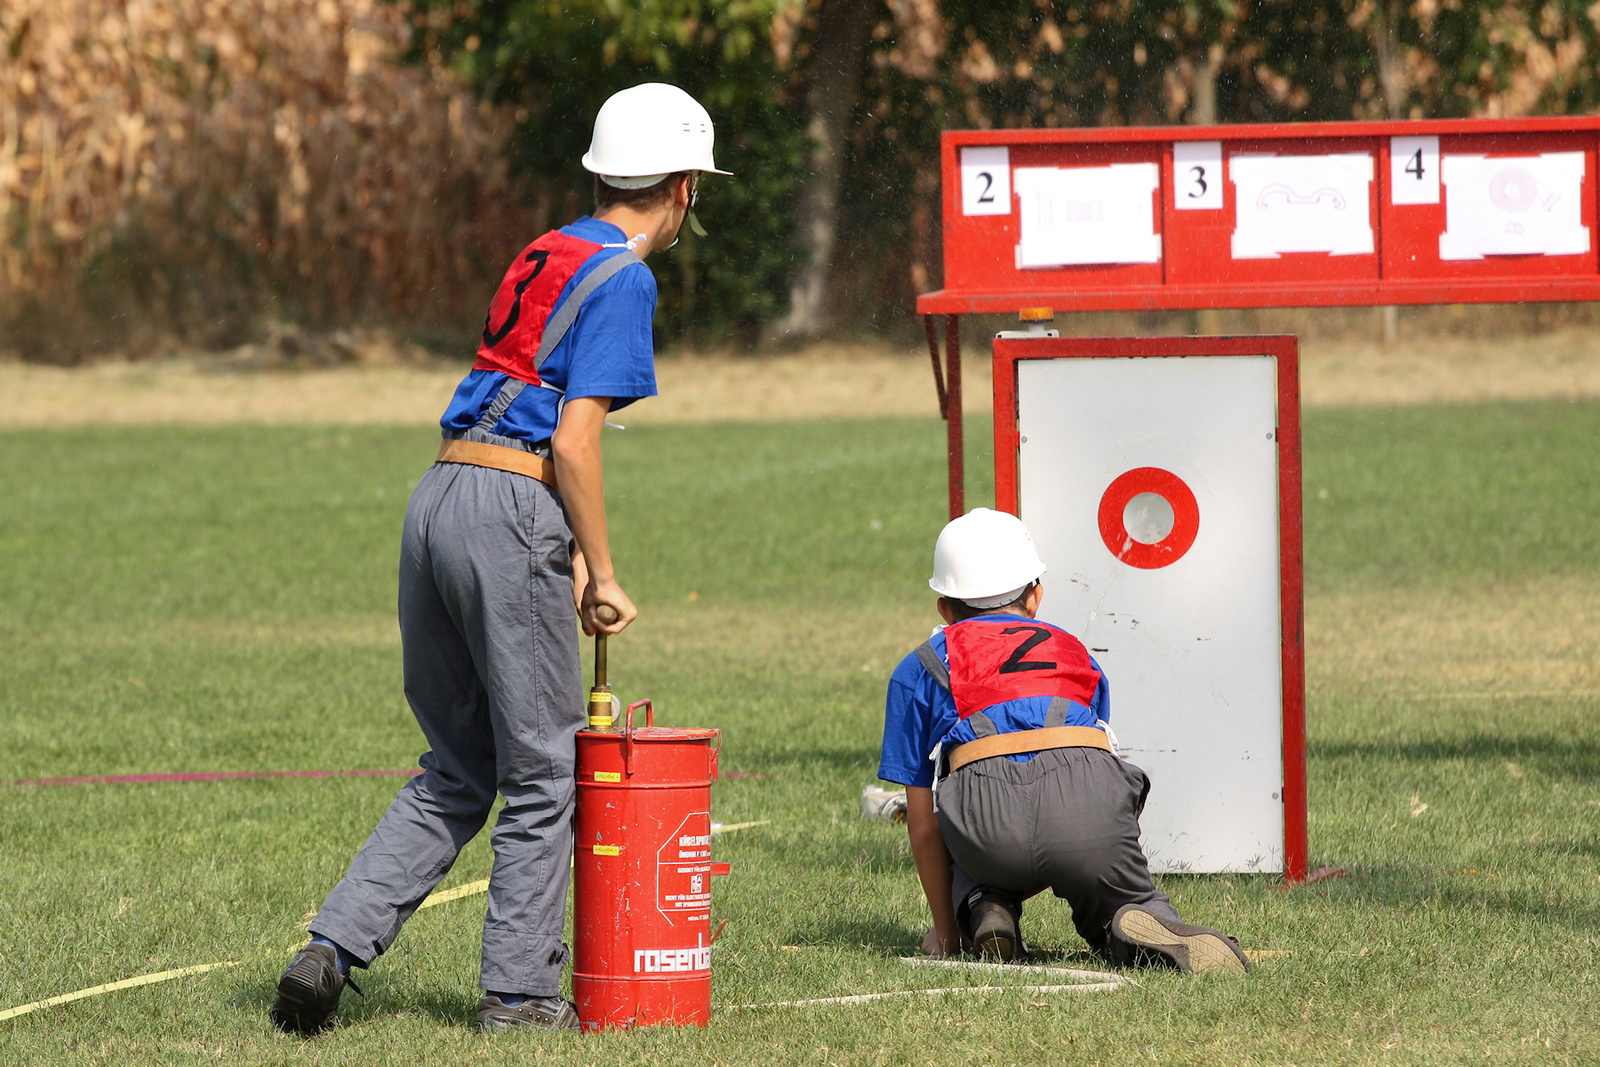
<point>504,543</point>
<point>997,727</point>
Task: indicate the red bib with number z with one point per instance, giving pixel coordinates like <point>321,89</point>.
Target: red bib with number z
<point>523,303</point>
<point>993,661</point>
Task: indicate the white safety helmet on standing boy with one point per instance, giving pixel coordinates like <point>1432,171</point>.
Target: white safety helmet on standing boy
<point>645,133</point>
<point>985,559</point>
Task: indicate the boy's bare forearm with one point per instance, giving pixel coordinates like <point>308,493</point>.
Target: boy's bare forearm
<point>580,477</point>
<point>932,860</point>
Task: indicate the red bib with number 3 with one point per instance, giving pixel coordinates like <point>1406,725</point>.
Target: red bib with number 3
<point>993,661</point>
<point>523,303</point>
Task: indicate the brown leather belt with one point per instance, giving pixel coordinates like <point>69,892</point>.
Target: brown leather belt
<point>500,458</point>
<point>1027,741</point>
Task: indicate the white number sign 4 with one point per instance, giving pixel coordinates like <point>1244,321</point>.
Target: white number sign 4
<point>1413,170</point>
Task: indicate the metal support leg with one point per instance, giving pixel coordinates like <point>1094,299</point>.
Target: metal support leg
<point>954,442</point>
<point>933,354</point>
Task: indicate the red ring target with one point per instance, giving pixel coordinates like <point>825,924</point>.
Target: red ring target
<point>1185,518</point>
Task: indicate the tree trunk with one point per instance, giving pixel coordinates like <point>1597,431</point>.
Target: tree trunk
<point>1205,87</point>
<point>1204,113</point>
<point>1392,79</point>
<point>833,77</point>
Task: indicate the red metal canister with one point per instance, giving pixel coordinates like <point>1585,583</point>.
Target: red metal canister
<point>642,875</point>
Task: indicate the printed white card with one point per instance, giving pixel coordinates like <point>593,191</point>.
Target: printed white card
<point>986,180</point>
<point>1513,206</point>
<point>1084,215</point>
<point>1301,204</point>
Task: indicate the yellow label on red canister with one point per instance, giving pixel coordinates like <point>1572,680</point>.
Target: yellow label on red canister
<point>608,850</point>
<point>608,776</point>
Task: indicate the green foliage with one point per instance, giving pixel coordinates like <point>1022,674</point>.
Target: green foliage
<point>557,62</point>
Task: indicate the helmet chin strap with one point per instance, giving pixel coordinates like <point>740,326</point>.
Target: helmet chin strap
<point>694,228</point>
<point>693,221</point>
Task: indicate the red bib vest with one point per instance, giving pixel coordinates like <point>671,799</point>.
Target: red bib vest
<point>993,661</point>
<point>523,303</point>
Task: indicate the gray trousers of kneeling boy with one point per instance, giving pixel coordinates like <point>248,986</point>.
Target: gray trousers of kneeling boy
<point>1067,820</point>
<point>492,674</point>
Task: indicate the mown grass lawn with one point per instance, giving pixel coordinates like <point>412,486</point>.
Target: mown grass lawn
<point>222,599</point>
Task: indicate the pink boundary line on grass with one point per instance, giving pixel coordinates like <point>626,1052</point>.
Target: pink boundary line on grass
<point>208,776</point>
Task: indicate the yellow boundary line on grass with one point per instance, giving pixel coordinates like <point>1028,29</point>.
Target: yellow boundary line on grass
<point>443,896</point>
<point>112,987</point>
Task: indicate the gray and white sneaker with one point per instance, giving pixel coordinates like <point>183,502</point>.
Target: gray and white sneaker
<point>1179,944</point>
<point>540,1013</point>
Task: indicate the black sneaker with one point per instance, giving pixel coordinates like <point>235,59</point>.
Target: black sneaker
<point>994,931</point>
<point>1178,944</point>
<point>540,1013</point>
<point>308,992</point>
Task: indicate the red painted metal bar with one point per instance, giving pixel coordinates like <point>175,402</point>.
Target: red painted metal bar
<point>1257,131</point>
<point>1006,441</point>
<point>1333,294</point>
<point>1291,568</point>
<point>955,444</point>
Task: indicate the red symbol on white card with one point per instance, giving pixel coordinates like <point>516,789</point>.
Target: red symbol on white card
<point>1149,518</point>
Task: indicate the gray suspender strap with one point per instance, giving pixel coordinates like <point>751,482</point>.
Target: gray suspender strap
<point>555,328</point>
<point>982,725</point>
<point>934,665</point>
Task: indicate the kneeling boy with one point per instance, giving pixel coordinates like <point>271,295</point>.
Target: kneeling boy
<point>996,726</point>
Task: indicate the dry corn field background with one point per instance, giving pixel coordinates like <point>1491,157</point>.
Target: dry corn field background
<point>203,165</point>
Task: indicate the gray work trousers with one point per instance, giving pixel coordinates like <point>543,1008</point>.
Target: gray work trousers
<point>1067,820</point>
<point>492,674</point>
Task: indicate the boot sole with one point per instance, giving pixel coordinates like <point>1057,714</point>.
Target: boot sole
<point>999,947</point>
<point>1198,952</point>
<point>298,1009</point>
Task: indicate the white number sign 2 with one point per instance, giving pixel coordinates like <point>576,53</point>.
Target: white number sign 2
<point>986,181</point>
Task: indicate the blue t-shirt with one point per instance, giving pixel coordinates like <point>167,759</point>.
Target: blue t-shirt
<point>609,351</point>
<point>919,714</point>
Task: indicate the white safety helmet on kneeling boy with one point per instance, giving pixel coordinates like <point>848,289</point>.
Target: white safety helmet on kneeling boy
<point>645,133</point>
<point>985,559</point>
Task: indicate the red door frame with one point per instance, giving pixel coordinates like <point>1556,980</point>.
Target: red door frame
<point>1291,554</point>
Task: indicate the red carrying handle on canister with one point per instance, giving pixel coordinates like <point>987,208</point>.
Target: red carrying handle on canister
<point>627,730</point>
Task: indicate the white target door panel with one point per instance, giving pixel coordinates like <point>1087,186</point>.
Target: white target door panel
<point>1151,484</point>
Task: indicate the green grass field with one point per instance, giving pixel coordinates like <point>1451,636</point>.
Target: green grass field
<point>198,600</point>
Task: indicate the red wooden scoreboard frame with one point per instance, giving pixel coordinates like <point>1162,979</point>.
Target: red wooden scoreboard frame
<point>1285,350</point>
<point>1196,268</point>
